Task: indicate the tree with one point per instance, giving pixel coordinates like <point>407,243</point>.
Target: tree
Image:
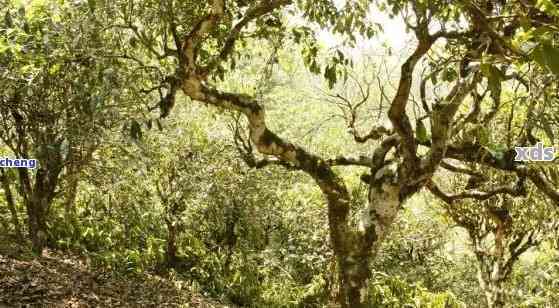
<point>501,229</point>
<point>57,100</point>
<point>193,42</point>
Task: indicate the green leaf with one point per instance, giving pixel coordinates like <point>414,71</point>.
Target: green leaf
<point>547,56</point>
<point>54,69</point>
<point>482,134</point>
<point>548,7</point>
<point>421,132</point>
<point>551,55</point>
<point>485,69</point>
<point>449,75</point>
<point>497,150</point>
<point>3,46</point>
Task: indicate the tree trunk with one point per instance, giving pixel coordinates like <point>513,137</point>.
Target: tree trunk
<point>69,208</point>
<point>355,247</point>
<point>174,228</point>
<point>37,222</point>
<point>492,273</point>
<point>171,244</point>
<point>495,263</point>
<point>492,287</point>
<point>495,296</point>
<point>11,205</point>
<point>354,273</point>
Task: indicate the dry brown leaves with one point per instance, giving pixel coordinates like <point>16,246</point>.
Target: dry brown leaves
<point>59,280</point>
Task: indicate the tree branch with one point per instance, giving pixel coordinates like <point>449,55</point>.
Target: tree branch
<point>256,11</point>
<point>443,118</point>
<point>190,46</point>
<point>515,190</point>
<point>541,183</point>
<point>397,112</point>
<point>363,161</point>
<point>459,169</point>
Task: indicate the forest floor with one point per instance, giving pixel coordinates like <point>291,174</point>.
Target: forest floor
<point>61,280</point>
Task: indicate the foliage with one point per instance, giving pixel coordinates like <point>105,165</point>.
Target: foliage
<point>392,291</point>
<point>324,175</point>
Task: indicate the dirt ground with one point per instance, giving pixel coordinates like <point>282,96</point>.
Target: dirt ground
<point>61,280</point>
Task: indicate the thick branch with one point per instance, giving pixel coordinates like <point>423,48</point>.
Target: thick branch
<point>363,161</point>
<point>515,190</point>
<point>256,11</point>
<point>541,183</point>
<point>397,112</point>
<point>443,119</point>
<point>190,46</point>
<point>459,169</point>
<point>477,153</point>
<point>375,133</point>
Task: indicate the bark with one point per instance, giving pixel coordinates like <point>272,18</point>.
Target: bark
<point>37,222</point>
<point>491,271</point>
<point>171,253</point>
<point>545,186</point>
<point>353,262</point>
<point>491,281</point>
<point>397,112</point>
<point>492,267</point>
<point>37,199</point>
<point>171,220</point>
<point>359,249</point>
<point>172,213</point>
<point>476,153</point>
<point>495,267</point>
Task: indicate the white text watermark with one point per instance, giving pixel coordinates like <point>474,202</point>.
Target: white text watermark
<point>535,153</point>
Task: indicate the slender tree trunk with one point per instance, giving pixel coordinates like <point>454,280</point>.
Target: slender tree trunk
<point>37,222</point>
<point>495,264</point>
<point>37,204</point>
<point>11,205</point>
<point>69,208</point>
<point>173,230</point>
<point>171,244</point>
